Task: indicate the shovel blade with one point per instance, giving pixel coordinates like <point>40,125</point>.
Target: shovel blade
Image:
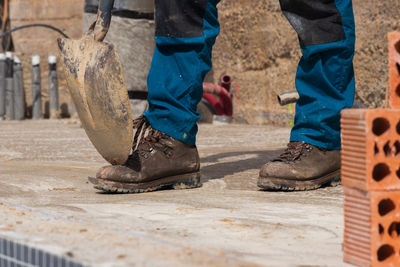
<point>94,76</point>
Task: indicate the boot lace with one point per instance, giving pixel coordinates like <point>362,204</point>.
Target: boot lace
<point>146,139</point>
<point>294,151</point>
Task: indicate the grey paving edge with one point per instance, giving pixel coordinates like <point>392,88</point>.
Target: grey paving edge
<point>16,254</point>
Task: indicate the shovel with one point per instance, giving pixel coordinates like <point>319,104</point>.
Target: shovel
<point>94,76</point>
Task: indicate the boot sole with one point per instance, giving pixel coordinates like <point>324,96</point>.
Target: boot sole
<point>182,181</point>
<point>279,184</point>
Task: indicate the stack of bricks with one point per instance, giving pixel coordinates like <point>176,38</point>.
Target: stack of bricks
<point>371,177</point>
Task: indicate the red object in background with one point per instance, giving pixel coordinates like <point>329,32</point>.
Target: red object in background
<point>219,98</point>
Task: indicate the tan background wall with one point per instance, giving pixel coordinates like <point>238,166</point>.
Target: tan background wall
<point>63,14</point>
<point>260,50</point>
<point>257,47</point>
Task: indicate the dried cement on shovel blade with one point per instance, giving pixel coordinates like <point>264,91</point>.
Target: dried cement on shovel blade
<point>95,80</point>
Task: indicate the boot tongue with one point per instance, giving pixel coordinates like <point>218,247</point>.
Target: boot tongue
<point>293,152</point>
<point>146,138</point>
<point>144,133</point>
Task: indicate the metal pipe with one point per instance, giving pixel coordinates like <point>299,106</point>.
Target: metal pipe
<point>288,98</point>
<point>2,85</point>
<point>19,94</point>
<point>53,87</point>
<point>226,81</point>
<point>9,86</point>
<point>36,88</point>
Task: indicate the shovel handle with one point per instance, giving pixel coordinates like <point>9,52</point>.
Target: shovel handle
<point>100,27</point>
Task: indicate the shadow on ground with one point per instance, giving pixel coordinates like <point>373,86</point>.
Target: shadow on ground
<point>239,168</point>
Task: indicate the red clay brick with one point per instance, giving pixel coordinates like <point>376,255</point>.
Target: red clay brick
<point>372,228</point>
<point>371,149</point>
<point>394,69</point>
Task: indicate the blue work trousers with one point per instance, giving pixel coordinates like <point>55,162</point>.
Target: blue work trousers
<point>185,33</point>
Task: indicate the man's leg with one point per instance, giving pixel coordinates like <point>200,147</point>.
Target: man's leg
<point>164,151</point>
<point>325,82</point>
<point>185,33</point>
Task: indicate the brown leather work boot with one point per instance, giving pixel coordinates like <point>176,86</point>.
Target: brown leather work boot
<point>301,167</point>
<point>158,161</point>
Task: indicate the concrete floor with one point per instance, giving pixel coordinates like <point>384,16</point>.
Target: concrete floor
<point>45,200</point>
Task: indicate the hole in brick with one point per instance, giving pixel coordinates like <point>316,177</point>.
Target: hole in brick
<point>387,149</point>
<point>381,125</point>
<point>396,148</point>
<point>398,90</point>
<point>398,173</point>
<point>385,206</point>
<point>385,252</point>
<point>380,171</point>
<point>381,229</point>
<point>376,149</point>
<point>398,127</point>
<point>398,68</point>
<point>394,229</point>
<point>397,47</point>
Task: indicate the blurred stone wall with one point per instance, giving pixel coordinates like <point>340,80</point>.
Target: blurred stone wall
<point>135,47</point>
<point>259,49</point>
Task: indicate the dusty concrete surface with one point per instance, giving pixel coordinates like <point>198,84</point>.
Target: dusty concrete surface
<point>45,200</point>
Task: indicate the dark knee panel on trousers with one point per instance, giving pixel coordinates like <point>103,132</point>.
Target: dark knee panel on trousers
<point>179,18</point>
<point>315,21</point>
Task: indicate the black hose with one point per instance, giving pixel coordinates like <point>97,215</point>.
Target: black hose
<point>33,25</point>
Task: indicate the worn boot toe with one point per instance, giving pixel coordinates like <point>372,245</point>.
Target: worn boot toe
<point>116,173</point>
<point>275,169</point>
<point>103,171</point>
